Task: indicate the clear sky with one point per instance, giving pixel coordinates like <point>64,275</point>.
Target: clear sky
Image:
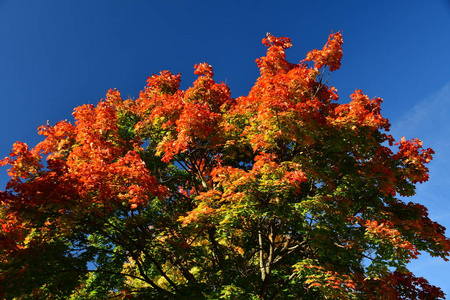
<point>59,54</point>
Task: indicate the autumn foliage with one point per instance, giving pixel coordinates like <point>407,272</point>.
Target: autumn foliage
<point>285,193</point>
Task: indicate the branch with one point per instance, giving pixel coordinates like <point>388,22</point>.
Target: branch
<point>156,287</point>
<point>217,254</point>
<point>261,256</point>
<point>268,263</point>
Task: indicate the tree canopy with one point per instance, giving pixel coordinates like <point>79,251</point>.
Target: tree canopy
<point>285,193</point>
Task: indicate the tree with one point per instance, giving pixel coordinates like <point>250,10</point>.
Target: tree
<point>281,194</point>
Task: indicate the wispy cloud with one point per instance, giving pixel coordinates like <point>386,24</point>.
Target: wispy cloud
<point>429,121</point>
<point>428,118</point>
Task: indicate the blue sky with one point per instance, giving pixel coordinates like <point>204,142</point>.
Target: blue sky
<point>59,54</point>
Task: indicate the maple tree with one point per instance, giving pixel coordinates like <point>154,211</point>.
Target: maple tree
<point>282,194</point>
